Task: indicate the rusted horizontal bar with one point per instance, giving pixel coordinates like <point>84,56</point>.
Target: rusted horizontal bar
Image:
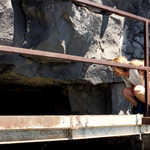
<point>15,50</point>
<point>22,129</point>
<point>65,121</point>
<point>112,10</point>
<point>33,122</point>
<point>146,120</point>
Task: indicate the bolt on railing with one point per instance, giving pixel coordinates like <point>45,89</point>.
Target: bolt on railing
<point>146,68</point>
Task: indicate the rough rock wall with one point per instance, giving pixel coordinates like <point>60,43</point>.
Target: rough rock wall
<point>75,30</point>
<point>133,45</point>
<point>6,22</point>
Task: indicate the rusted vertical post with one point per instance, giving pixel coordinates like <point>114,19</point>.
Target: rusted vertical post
<point>146,61</point>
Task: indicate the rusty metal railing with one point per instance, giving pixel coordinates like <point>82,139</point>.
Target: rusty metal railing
<point>146,68</point>
<point>146,39</point>
<point>66,57</point>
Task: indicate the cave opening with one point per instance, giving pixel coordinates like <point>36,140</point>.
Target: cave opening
<point>28,100</point>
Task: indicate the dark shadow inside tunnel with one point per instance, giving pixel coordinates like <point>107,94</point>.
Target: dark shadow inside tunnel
<point>22,100</point>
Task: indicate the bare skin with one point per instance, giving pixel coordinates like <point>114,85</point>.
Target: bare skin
<point>130,93</point>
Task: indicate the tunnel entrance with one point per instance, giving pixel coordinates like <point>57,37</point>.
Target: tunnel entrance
<point>24,100</point>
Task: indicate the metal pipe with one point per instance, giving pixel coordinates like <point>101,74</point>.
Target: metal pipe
<point>52,55</point>
<point>112,10</point>
<point>146,59</point>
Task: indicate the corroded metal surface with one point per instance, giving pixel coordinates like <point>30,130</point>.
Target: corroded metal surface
<point>112,10</point>
<point>21,129</point>
<point>33,122</point>
<point>52,55</point>
<point>146,120</point>
<point>146,54</point>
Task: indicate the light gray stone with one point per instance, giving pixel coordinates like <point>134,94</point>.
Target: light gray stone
<point>6,22</point>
